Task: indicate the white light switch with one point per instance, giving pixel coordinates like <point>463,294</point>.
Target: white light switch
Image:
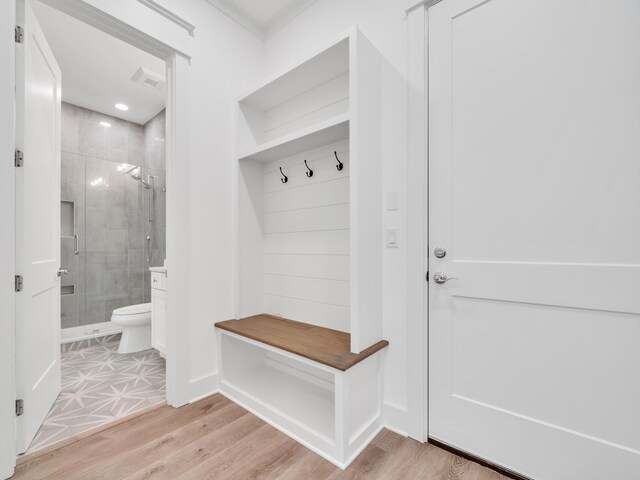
<point>393,239</point>
<point>392,201</point>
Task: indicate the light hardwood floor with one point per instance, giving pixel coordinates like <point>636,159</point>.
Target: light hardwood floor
<point>216,439</point>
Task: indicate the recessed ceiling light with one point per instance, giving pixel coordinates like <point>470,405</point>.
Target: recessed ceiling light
<point>105,124</point>
<point>122,106</point>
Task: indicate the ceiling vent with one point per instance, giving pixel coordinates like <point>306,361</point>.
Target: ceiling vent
<point>148,78</point>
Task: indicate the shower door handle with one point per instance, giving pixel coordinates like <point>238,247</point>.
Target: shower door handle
<point>76,247</point>
<point>148,249</point>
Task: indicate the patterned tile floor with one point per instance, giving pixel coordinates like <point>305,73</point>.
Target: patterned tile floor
<point>99,385</point>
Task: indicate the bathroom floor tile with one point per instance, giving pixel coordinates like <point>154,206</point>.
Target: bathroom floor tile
<point>100,385</point>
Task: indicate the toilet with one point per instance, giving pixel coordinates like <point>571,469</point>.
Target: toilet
<point>135,321</point>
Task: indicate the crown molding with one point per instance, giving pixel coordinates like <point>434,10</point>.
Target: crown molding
<point>237,14</point>
<point>168,14</point>
<point>279,20</point>
<point>414,4</point>
<point>287,14</point>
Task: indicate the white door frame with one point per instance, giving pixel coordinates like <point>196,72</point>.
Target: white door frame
<point>102,15</point>
<point>417,222</point>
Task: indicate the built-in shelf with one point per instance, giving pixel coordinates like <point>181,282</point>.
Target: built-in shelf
<point>304,107</point>
<point>67,224</point>
<point>322,345</point>
<point>325,132</point>
<point>67,289</point>
<point>317,69</point>
<point>330,102</point>
<point>290,396</point>
<point>332,411</point>
<point>309,237</point>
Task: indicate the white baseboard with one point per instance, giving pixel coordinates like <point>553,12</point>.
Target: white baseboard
<point>83,332</point>
<point>378,427</point>
<point>7,472</point>
<point>204,386</point>
<point>395,419</point>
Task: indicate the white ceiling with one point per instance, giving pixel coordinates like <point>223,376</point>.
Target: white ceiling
<point>262,16</point>
<point>97,68</point>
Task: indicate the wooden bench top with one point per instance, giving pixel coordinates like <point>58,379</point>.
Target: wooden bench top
<point>322,345</point>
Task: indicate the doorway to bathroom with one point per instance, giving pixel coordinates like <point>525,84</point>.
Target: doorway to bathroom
<point>112,229</point>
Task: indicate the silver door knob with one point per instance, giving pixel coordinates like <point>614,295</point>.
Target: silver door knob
<point>440,252</point>
<point>441,277</point>
<point>62,271</point>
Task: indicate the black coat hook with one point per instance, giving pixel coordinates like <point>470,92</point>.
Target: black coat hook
<point>284,178</point>
<point>340,166</point>
<point>310,172</point>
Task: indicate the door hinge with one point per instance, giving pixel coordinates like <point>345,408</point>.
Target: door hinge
<point>19,407</point>
<point>18,158</point>
<point>19,283</point>
<point>19,34</point>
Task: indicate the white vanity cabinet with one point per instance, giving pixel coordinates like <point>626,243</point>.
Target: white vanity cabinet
<point>159,310</point>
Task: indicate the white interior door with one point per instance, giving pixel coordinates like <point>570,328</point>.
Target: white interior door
<point>37,227</point>
<point>534,177</point>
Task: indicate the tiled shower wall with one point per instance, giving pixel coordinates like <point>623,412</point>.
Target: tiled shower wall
<point>110,270</point>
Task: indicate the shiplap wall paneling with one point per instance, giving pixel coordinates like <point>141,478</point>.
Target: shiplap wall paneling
<point>325,101</point>
<point>306,238</point>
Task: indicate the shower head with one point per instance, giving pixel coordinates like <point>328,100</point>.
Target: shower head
<point>137,177</point>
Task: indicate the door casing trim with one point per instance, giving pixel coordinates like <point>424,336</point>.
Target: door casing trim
<point>416,181</point>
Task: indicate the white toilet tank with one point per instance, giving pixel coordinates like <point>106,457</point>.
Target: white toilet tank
<point>133,315</point>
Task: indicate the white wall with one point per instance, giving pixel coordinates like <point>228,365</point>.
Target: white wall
<point>226,59</point>
<point>7,262</point>
<point>384,23</point>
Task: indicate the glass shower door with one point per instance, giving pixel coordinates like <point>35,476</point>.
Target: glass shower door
<point>114,246</point>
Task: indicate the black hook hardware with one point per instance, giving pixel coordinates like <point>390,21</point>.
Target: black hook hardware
<point>310,172</point>
<point>284,178</point>
<point>340,166</point>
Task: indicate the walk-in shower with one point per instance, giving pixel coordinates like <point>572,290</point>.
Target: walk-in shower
<point>113,210</point>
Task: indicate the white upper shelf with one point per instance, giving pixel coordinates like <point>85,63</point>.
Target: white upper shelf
<point>323,133</point>
<point>331,62</point>
<point>303,108</point>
